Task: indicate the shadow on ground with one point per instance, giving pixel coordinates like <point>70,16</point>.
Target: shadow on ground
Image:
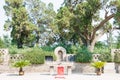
<point>13,75</point>
<point>90,74</point>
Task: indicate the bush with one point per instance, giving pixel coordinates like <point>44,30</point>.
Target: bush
<point>117,57</point>
<point>83,55</point>
<point>2,45</point>
<point>106,57</point>
<point>37,55</point>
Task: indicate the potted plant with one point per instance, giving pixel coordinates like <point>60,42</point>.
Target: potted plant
<point>98,65</point>
<point>20,64</point>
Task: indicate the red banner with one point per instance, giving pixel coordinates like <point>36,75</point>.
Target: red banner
<point>60,70</point>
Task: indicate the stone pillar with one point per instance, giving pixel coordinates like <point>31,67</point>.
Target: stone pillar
<point>51,70</point>
<point>69,70</point>
<point>5,56</point>
<point>96,57</point>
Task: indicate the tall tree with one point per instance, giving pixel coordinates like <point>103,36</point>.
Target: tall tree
<point>82,19</point>
<point>21,28</point>
<point>43,16</point>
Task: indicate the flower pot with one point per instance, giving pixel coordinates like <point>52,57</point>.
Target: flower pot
<point>21,73</point>
<point>98,71</point>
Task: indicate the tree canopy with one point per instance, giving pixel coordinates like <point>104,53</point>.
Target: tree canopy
<point>21,28</point>
<point>43,16</point>
<point>76,22</point>
<point>81,17</point>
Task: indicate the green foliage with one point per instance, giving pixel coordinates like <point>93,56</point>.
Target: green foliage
<point>64,28</point>
<point>78,19</point>
<point>43,16</point>
<point>118,41</point>
<point>21,28</point>
<point>100,44</point>
<point>37,55</point>
<point>83,56</point>
<point>98,64</point>
<point>47,48</point>
<point>117,57</point>
<point>102,49</point>
<point>7,40</point>
<point>20,64</point>
<point>73,49</point>
<point>106,57</point>
<point>14,50</point>
<point>2,45</point>
<point>116,3</point>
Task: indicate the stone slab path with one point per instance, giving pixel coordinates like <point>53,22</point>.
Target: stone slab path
<point>39,76</point>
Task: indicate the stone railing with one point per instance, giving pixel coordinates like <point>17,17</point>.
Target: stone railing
<point>4,56</point>
<point>16,57</point>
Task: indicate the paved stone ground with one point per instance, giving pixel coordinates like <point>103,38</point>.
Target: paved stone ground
<point>39,76</point>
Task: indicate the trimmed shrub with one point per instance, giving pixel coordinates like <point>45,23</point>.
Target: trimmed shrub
<point>106,57</point>
<point>83,56</point>
<point>35,56</point>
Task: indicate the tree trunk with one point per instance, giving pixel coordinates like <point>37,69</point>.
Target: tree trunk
<point>89,44</point>
<point>19,43</point>
<point>92,45</point>
<point>21,69</point>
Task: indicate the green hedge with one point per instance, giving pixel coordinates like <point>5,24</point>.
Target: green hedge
<point>106,57</point>
<point>34,57</point>
<point>37,55</point>
<point>83,56</point>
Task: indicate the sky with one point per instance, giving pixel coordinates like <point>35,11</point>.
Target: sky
<point>2,17</point>
<point>56,3</point>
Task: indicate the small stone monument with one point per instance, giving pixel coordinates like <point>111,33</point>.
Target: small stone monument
<point>61,63</point>
<point>60,53</point>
